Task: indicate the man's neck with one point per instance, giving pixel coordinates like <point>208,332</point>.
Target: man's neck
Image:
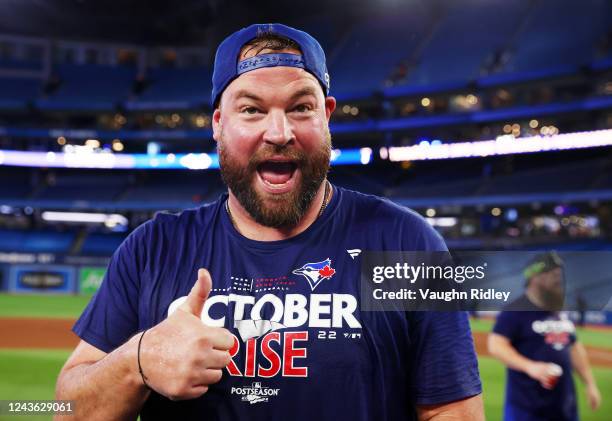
<point>248,227</point>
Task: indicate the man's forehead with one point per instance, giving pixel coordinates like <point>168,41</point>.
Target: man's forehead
<point>282,81</point>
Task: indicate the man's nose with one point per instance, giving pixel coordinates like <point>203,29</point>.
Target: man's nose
<point>278,129</point>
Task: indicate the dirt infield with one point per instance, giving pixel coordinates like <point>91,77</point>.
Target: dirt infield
<point>37,333</point>
<point>597,356</point>
<point>56,333</point>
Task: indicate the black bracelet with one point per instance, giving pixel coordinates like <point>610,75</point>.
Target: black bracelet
<point>144,378</point>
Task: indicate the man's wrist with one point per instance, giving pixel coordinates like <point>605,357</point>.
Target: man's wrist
<point>130,360</point>
<point>529,366</point>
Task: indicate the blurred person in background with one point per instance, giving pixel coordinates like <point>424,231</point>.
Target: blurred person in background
<point>537,343</point>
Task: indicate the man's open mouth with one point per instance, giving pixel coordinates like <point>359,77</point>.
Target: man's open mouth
<point>276,174</point>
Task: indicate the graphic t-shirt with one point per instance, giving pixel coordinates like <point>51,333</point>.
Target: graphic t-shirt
<point>303,348</point>
<point>541,336</point>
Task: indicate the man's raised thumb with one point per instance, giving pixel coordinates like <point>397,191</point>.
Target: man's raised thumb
<point>198,294</point>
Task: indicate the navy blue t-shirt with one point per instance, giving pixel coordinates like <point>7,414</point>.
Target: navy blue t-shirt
<point>302,346</point>
<point>540,336</point>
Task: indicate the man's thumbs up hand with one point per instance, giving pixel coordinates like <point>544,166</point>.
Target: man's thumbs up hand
<point>198,294</point>
<point>181,356</point>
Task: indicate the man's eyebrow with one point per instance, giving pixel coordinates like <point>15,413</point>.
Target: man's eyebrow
<point>243,93</point>
<point>307,90</point>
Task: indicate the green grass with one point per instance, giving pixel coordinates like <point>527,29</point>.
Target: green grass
<point>71,306</point>
<point>481,325</point>
<point>493,377</point>
<point>592,337</point>
<point>598,338</point>
<point>29,374</point>
<point>51,306</point>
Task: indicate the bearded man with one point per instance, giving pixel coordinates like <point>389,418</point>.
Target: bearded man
<point>272,327</point>
<point>536,340</point>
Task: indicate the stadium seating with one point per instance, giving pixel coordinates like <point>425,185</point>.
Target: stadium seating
<point>170,88</point>
<point>580,176</point>
<point>447,47</point>
<point>175,189</point>
<point>470,32</point>
<point>32,65</point>
<point>15,183</point>
<point>99,244</point>
<point>100,187</point>
<point>89,87</point>
<point>17,93</point>
<point>36,241</point>
<point>441,48</point>
<point>373,48</point>
<point>560,33</point>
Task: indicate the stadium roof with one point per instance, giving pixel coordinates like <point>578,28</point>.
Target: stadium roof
<point>151,22</point>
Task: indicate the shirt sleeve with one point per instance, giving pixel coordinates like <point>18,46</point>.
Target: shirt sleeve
<point>111,317</point>
<point>506,324</point>
<point>445,367</point>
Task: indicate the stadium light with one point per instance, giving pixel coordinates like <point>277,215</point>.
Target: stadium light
<point>366,155</point>
<point>83,157</point>
<point>503,145</point>
<point>193,161</point>
<point>84,218</point>
<point>442,222</point>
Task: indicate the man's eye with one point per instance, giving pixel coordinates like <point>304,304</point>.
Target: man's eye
<point>250,110</point>
<point>302,108</point>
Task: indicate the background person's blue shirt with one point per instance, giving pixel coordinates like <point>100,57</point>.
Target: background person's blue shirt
<point>541,336</point>
<point>324,358</point>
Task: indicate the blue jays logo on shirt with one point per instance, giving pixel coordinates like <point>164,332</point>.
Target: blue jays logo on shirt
<point>316,272</point>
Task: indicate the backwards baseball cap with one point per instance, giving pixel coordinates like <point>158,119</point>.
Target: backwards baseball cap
<point>228,68</point>
<point>541,263</point>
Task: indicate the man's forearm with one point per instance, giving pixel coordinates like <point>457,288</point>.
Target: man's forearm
<point>470,408</point>
<point>110,388</point>
<point>507,354</point>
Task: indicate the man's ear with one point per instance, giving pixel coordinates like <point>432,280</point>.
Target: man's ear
<point>330,106</point>
<point>216,124</point>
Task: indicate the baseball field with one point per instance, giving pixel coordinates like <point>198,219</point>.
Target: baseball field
<point>36,340</point>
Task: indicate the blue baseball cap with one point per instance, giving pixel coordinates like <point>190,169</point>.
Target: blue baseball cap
<point>228,68</point>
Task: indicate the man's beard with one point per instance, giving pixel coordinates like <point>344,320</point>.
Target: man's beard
<point>553,299</point>
<point>278,210</point>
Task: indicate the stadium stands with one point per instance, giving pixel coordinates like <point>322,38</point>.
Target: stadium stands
<point>89,87</point>
<point>559,33</point>
<point>98,244</point>
<point>175,189</point>
<point>373,48</point>
<point>94,187</point>
<point>16,183</point>
<point>36,241</point>
<point>17,93</point>
<point>174,89</point>
<point>470,32</point>
<point>437,48</point>
<point>398,71</point>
